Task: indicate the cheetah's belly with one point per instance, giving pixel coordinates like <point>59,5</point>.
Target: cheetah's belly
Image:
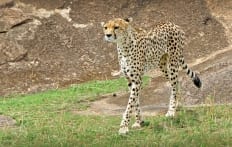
<point>152,59</point>
<point>151,64</point>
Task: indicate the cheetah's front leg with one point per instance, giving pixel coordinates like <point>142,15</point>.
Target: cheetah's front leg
<point>133,99</point>
<point>138,116</point>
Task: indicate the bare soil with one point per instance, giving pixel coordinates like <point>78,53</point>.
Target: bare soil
<point>53,44</point>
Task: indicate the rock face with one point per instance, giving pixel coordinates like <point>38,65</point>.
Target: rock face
<point>51,44</point>
<point>6,3</point>
<point>11,51</point>
<point>11,18</point>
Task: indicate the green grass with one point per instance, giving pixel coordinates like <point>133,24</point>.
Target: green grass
<point>47,119</point>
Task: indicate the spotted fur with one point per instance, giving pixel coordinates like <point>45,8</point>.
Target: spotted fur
<point>139,51</point>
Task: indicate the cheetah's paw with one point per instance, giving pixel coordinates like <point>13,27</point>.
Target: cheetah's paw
<point>136,125</point>
<point>123,130</point>
<point>170,114</point>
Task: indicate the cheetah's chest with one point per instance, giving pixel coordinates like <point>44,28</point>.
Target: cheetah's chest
<point>123,63</point>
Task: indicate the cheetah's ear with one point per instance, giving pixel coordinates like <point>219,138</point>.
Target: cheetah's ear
<point>102,24</point>
<point>129,19</point>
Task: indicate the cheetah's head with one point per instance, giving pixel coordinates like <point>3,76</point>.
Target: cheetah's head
<point>115,29</point>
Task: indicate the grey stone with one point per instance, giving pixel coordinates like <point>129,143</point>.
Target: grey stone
<point>6,121</point>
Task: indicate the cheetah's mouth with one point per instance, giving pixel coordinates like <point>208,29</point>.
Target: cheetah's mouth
<point>110,38</point>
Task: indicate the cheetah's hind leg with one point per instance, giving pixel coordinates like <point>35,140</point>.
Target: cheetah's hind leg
<point>163,65</point>
<point>173,66</point>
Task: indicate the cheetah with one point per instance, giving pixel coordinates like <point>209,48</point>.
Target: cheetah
<point>139,51</point>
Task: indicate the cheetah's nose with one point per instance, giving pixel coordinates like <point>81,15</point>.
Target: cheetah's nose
<point>108,35</point>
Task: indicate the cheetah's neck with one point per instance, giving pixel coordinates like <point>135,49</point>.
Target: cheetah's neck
<point>129,40</point>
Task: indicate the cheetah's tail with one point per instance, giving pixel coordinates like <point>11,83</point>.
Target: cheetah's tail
<point>196,80</point>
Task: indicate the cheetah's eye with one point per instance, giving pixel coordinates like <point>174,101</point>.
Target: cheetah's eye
<point>105,28</point>
<point>116,27</point>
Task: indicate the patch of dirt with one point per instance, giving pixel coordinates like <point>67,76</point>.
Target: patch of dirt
<point>53,44</point>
